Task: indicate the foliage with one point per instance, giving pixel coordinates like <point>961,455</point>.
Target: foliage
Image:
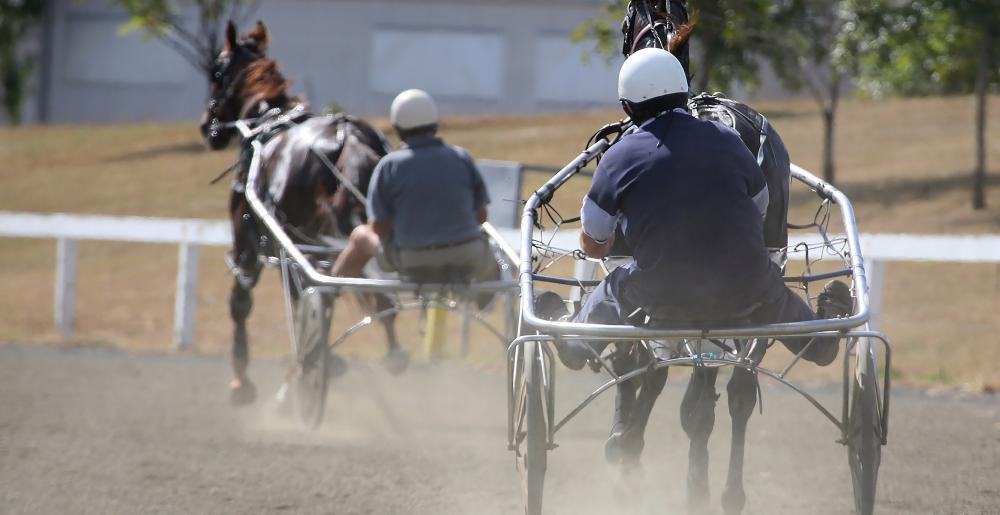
<point>807,48</point>
<point>924,47</point>
<point>807,45</point>
<point>200,43</point>
<point>17,17</point>
<point>603,29</point>
<point>729,34</point>
<point>333,107</point>
<point>928,47</point>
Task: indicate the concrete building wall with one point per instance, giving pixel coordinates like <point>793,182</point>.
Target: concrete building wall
<point>473,56</point>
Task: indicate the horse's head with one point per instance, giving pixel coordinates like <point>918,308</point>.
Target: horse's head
<point>226,82</point>
<point>658,24</point>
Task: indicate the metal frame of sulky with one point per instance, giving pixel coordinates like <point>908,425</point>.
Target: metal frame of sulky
<point>299,272</point>
<point>850,329</point>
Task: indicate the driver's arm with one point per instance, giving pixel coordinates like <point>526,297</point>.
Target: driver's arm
<point>596,249</point>
<point>380,209</point>
<point>598,235</point>
<point>602,207</point>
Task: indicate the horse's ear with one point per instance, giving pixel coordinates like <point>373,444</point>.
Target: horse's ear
<point>230,36</point>
<point>262,36</point>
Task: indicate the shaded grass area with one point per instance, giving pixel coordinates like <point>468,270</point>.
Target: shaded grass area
<point>905,163</point>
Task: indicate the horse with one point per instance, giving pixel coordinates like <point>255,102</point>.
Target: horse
<point>297,182</point>
<point>666,24</point>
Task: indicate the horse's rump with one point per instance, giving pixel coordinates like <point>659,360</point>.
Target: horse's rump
<point>305,166</point>
<point>763,142</point>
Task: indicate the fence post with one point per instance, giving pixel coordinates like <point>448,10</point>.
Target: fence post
<point>186,300</point>
<point>65,287</point>
<point>876,283</point>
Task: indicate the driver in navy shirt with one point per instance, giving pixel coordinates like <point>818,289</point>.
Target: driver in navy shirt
<point>689,199</point>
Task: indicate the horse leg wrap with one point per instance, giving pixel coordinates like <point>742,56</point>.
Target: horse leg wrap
<point>698,405</point>
<point>742,394</point>
<point>698,420</point>
<point>241,349</point>
<point>625,393</point>
<point>652,385</point>
<point>240,303</point>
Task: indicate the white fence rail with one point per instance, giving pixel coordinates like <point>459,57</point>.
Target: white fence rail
<point>68,229</point>
<point>190,235</point>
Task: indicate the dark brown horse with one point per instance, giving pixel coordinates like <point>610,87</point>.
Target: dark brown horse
<point>666,24</point>
<point>305,195</point>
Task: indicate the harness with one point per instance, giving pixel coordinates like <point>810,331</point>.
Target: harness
<point>748,123</point>
<point>272,124</point>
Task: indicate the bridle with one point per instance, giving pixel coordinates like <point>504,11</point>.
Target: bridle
<point>227,83</point>
<point>660,27</point>
<point>657,27</point>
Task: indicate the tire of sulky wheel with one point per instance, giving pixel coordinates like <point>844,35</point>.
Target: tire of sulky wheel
<point>864,444</point>
<point>535,450</point>
<point>312,325</point>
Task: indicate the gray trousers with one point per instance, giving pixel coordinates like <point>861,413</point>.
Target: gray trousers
<point>460,262</point>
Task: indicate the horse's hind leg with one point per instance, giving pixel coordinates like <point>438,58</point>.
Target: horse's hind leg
<point>242,390</point>
<point>698,420</point>
<point>615,449</point>
<point>652,385</point>
<point>742,393</point>
<point>631,436</point>
<point>396,359</point>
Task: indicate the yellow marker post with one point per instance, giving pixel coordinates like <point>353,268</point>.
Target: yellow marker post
<point>437,331</point>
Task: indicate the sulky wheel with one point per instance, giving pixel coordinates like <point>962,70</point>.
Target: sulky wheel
<point>864,441</point>
<point>533,432</point>
<point>312,328</point>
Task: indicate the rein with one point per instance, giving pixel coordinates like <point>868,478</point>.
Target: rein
<point>650,26</point>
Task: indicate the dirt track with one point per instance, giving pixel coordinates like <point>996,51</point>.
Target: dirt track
<point>96,431</point>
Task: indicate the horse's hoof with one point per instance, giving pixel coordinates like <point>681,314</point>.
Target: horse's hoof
<point>242,392</point>
<point>733,502</point>
<point>336,366</point>
<point>614,449</point>
<point>396,361</point>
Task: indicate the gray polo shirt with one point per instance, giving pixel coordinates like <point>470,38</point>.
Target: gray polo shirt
<point>430,192</point>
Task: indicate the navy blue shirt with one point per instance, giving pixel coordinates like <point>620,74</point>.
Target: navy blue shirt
<point>430,192</point>
<point>688,195</point>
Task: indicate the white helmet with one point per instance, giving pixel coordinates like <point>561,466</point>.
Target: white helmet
<point>412,109</point>
<point>650,73</point>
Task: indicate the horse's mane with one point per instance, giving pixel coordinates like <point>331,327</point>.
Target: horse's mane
<point>681,36</point>
<point>264,79</point>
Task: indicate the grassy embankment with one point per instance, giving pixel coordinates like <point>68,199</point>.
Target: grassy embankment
<point>905,164</point>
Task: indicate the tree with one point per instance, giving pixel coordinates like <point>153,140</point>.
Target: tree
<point>808,48</point>
<point>931,47</point>
<point>729,34</point>
<point>17,17</point>
<point>801,38</point>
<point>198,45</point>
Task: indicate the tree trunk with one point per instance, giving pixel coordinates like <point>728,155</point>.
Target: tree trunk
<point>703,73</point>
<point>979,173</point>
<point>829,127</point>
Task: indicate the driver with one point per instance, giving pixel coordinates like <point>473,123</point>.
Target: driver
<point>690,200</point>
<point>425,204</point>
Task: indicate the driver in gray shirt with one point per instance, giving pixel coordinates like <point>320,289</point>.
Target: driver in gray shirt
<point>426,202</point>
